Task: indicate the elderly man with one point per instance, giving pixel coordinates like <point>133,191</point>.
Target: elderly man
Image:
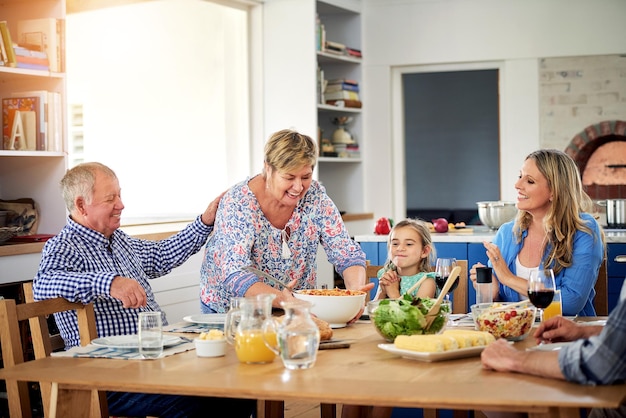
<point>91,260</point>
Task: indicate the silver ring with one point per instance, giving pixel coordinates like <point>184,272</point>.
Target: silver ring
<point>497,258</point>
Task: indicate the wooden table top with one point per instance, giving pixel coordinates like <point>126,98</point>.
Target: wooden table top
<point>361,374</point>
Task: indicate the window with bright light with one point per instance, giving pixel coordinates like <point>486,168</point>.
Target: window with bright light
<point>159,92</point>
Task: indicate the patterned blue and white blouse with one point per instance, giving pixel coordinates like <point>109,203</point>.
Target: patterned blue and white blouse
<point>244,237</point>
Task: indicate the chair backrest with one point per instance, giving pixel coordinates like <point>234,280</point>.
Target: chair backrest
<point>371,272</point>
<point>601,301</point>
<point>13,347</point>
<point>459,295</point>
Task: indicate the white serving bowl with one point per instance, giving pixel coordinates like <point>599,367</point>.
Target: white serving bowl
<point>210,348</point>
<point>337,310</point>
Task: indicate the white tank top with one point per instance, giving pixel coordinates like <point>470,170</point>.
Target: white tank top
<point>521,271</point>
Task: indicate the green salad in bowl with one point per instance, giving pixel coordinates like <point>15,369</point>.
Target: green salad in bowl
<point>406,316</point>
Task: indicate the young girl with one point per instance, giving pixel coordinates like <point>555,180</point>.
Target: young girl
<point>410,256</point>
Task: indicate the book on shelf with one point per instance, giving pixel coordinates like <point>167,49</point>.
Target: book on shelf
<point>341,94</point>
<point>51,118</point>
<point>8,44</point>
<point>32,60</point>
<point>320,34</point>
<point>343,81</point>
<point>21,51</point>
<point>345,103</point>
<point>29,66</point>
<point>335,48</point>
<point>321,85</point>
<point>20,123</point>
<point>46,35</point>
<point>356,53</point>
<point>341,86</point>
<point>3,51</point>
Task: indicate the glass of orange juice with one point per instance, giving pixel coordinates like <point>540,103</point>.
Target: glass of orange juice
<point>555,308</point>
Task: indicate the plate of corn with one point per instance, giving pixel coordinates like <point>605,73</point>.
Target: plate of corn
<point>449,345</point>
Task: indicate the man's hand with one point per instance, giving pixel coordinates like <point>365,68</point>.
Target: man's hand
<point>559,329</point>
<point>129,292</point>
<point>208,217</point>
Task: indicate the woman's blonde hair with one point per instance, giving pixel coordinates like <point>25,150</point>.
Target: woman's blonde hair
<point>423,231</point>
<point>287,150</point>
<point>569,200</point>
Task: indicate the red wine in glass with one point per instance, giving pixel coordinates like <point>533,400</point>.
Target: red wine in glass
<point>541,298</point>
<point>441,281</point>
<point>443,268</point>
<point>541,287</point>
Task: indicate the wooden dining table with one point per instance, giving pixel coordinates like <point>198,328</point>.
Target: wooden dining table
<point>361,374</point>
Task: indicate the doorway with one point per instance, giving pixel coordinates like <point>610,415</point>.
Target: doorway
<point>449,146</point>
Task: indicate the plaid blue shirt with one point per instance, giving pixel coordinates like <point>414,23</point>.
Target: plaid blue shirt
<point>599,360</point>
<point>79,265</point>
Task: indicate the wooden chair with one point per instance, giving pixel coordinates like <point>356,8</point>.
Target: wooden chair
<point>371,272</point>
<point>460,294</point>
<point>13,353</point>
<point>601,301</point>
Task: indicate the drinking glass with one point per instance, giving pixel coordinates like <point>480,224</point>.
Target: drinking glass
<point>443,268</point>
<point>150,332</point>
<point>541,288</point>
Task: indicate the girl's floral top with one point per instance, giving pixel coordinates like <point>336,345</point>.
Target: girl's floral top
<point>243,237</point>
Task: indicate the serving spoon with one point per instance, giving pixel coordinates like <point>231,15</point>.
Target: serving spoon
<point>269,277</point>
<point>433,312</point>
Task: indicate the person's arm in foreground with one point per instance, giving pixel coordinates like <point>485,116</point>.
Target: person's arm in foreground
<point>501,356</point>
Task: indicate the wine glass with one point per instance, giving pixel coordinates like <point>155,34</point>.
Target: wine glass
<point>541,288</point>
<point>443,268</point>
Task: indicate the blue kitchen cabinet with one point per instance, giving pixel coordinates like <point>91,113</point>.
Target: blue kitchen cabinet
<point>375,252</point>
<point>616,273</point>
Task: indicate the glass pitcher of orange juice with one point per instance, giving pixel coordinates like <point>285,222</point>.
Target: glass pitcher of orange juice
<point>245,329</point>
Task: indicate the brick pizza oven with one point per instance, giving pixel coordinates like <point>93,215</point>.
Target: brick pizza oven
<point>600,153</point>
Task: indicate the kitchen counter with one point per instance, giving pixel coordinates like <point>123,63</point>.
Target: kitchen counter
<point>480,234</point>
<point>474,234</point>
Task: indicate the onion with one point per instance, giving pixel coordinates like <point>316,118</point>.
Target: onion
<point>440,224</point>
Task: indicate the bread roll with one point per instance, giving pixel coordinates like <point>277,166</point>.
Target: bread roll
<point>326,332</point>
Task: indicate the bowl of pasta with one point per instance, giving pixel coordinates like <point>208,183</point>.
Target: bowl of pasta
<point>335,306</point>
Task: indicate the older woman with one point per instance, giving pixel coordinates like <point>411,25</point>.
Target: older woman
<point>552,230</point>
<point>275,222</point>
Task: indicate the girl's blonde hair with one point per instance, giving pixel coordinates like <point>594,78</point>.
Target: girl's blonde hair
<point>421,227</point>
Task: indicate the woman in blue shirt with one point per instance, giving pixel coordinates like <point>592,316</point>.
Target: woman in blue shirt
<point>553,230</point>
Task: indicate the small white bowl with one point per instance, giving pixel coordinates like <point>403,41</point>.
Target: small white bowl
<point>210,348</point>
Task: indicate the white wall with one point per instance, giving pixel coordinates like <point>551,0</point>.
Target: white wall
<point>516,33</point>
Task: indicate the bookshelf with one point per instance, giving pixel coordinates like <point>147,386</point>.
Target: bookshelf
<point>342,176</point>
<point>34,174</point>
